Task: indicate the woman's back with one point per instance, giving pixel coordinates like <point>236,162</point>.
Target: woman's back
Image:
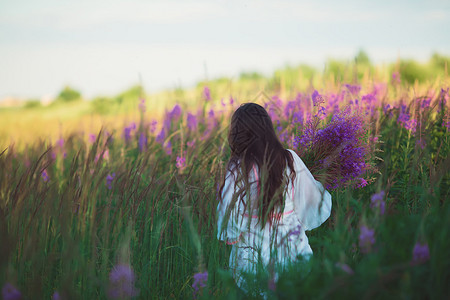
<point>282,238</point>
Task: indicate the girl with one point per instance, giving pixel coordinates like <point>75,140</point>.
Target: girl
<point>268,198</point>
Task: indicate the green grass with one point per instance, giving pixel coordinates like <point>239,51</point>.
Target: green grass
<point>66,234</point>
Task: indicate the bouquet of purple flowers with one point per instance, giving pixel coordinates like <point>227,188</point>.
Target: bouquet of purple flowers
<point>337,153</point>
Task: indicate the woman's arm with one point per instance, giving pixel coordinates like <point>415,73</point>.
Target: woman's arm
<point>312,203</point>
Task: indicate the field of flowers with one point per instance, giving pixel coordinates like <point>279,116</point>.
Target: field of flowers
<point>130,212</point>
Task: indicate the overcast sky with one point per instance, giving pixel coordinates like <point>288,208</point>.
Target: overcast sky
<point>101,46</point>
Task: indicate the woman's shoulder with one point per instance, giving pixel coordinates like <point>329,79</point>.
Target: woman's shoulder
<point>297,159</point>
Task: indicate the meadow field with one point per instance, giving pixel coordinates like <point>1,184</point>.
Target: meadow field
<point>115,198</point>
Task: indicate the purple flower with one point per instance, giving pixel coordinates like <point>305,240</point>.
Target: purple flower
<point>200,280</point>
<point>109,180</point>
<point>181,162</point>
<point>142,106</point>
<point>317,98</point>
<point>421,253</point>
<point>362,182</point>
<point>425,103</point>
<point>376,201</point>
<point>92,138</point>
<point>60,143</point>
<point>211,113</point>
<point>127,132</point>
<point>9,292</point>
<point>56,296</point>
<point>344,267</point>
<point>192,122</point>
<point>206,94</point>
<point>142,142</point>
<point>231,100</point>
<point>121,282</point>
<point>191,144</point>
<point>366,238</point>
<point>353,89</point>
<point>175,113</point>
<point>396,77</point>
<point>168,148</point>
<point>161,136</point>
<point>153,126</point>
<point>44,175</point>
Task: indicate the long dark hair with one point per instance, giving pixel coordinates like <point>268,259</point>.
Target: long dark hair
<point>253,142</point>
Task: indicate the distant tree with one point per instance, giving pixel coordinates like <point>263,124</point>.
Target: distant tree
<point>362,58</point>
<point>250,76</point>
<point>68,94</point>
<point>32,104</point>
<point>440,61</point>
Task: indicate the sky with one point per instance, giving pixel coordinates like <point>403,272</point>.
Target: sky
<point>102,47</point>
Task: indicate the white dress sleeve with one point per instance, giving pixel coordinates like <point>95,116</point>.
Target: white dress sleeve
<point>312,203</point>
<point>230,227</point>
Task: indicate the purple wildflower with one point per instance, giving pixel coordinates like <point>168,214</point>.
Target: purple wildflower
<point>192,122</point>
<point>60,143</point>
<point>425,103</point>
<point>168,148</point>
<point>344,267</point>
<point>109,180</point>
<point>56,296</point>
<point>161,136</point>
<point>353,89</point>
<point>9,292</point>
<point>181,162</point>
<point>153,126</point>
<point>92,138</point>
<point>175,113</point>
<point>142,142</point>
<point>317,98</point>
<point>369,99</point>
<point>44,175</point>
<point>366,238</point>
<point>122,279</point>
<point>211,113</point>
<point>231,100</point>
<point>361,182</point>
<point>421,253</point>
<point>142,106</point>
<point>200,280</point>
<point>396,78</point>
<point>127,132</point>
<point>191,144</point>
<point>376,201</point>
<point>206,94</point>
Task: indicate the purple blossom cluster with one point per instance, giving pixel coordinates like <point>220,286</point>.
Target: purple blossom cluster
<point>181,161</point>
<point>366,238</point>
<point>109,180</point>
<point>45,176</point>
<point>421,253</point>
<point>121,282</point>
<point>200,280</point>
<point>377,202</point>
<point>338,148</point>
<point>127,132</point>
<point>10,292</point>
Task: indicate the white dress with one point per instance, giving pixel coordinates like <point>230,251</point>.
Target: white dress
<point>307,205</point>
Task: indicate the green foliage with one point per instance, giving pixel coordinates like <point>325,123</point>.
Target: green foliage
<point>68,95</point>
<point>30,104</point>
<point>102,105</point>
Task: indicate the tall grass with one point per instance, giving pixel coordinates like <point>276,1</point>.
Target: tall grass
<point>71,211</point>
